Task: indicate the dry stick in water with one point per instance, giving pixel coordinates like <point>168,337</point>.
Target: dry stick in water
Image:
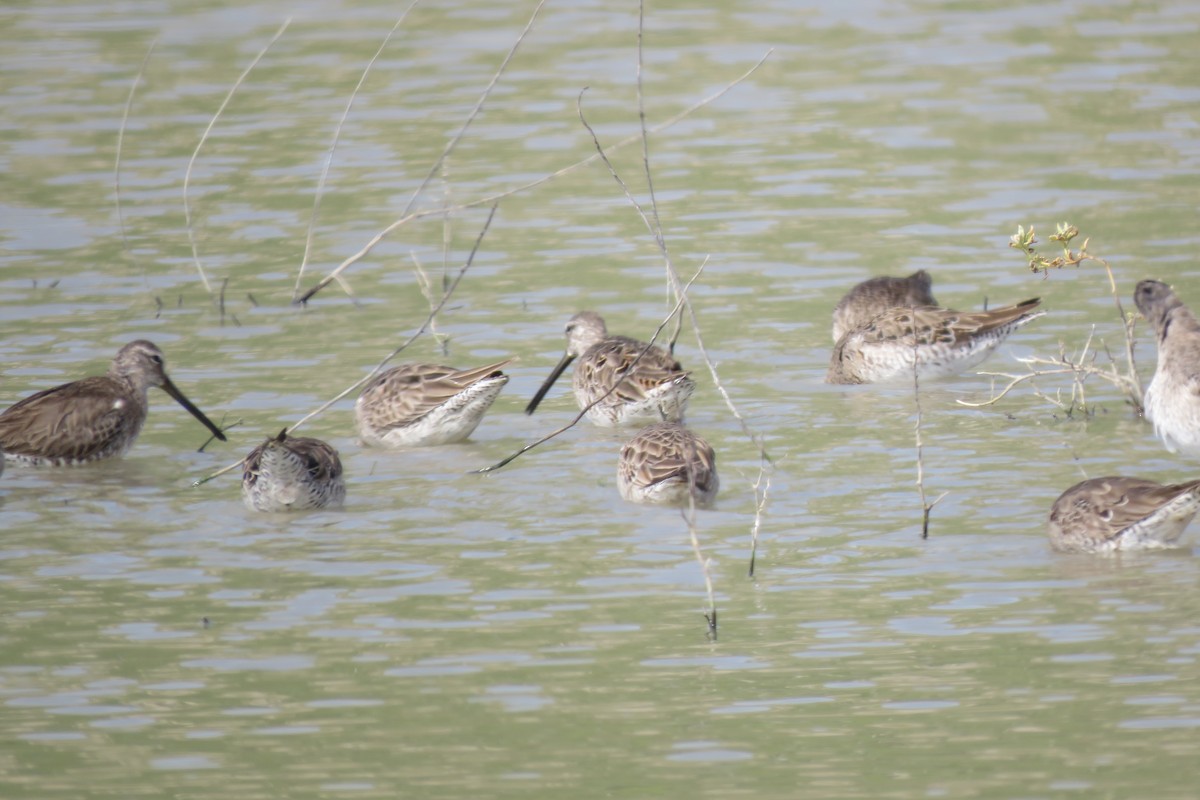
<point>121,141</point>
<point>187,175</point>
<point>432,313</point>
<point>408,214</point>
<point>765,461</point>
<point>1082,367</point>
<point>763,482</point>
<point>673,279</point>
<point>495,198</point>
<point>337,133</point>
<point>426,286</point>
<point>689,514</point>
<point>632,364</point>
<point>926,506</point>
<point>689,518</point>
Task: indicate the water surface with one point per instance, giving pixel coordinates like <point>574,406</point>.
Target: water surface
<point>525,633</point>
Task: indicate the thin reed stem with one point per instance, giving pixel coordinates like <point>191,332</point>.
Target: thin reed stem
<point>121,143</point>
<point>187,175</point>
<point>495,198</point>
<point>926,507</point>
<point>337,133</point>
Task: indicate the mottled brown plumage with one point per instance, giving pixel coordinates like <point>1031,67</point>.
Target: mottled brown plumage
<point>426,404</point>
<point>1104,515</point>
<point>667,463</point>
<point>1172,400</point>
<point>292,473</point>
<point>940,341</point>
<point>650,384</point>
<point>874,296</point>
<point>93,418</point>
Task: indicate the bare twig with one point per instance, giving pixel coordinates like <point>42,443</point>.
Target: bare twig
<point>689,517</point>
<point>926,506</point>
<point>1079,367</point>
<point>224,429</point>
<point>765,461</point>
<point>487,92</point>
<point>407,213</point>
<point>417,215</point>
<point>761,487</point>
<point>1128,382</point>
<point>187,175</point>
<point>426,285</point>
<point>121,141</point>
<point>337,132</point>
<point>379,367</point>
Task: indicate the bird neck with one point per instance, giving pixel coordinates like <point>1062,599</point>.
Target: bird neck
<point>1175,315</point>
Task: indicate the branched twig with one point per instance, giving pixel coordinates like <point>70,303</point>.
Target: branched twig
<point>1080,368</point>
<point>337,132</point>
<point>765,461</point>
<point>1128,382</point>
<point>416,215</point>
<point>379,367</point>
<point>408,214</point>
<point>187,175</point>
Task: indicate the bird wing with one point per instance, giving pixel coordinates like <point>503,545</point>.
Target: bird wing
<point>73,421</point>
<point>402,395</point>
<point>612,361</point>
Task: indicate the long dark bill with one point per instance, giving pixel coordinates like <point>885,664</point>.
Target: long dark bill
<point>170,389</point>
<point>558,370</point>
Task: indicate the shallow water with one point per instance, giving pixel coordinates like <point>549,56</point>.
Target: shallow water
<point>524,632</point>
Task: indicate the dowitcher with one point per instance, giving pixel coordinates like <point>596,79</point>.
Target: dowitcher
<point>872,297</point>
<point>292,473</point>
<point>940,341</point>
<point>94,418</point>
<point>1104,515</point>
<point>426,404</point>
<point>655,388</point>
<point>666,464</point>
<point>1173,398</point>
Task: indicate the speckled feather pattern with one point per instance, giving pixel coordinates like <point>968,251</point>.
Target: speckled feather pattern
<point>874,296</point>
<point>665,464</point>
<point>292,473</point>
<point>1105,515</point>
<point>650,385</point>
<point>941,342</point>
<point>426,404</point>
<point>1172,400</point>
<point>93,418</point>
